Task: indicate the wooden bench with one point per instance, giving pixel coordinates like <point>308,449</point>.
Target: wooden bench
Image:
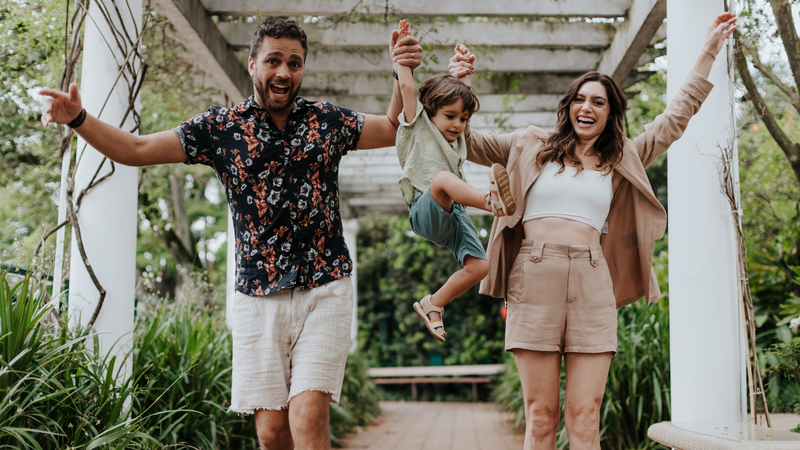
<point>435,374</point>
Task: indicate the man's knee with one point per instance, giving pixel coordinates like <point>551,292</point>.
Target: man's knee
<point>310,409</point>
<point>542,421</point>
<point>272,430</point>
<point>583,423</point>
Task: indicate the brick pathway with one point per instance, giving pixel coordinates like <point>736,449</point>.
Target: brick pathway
<point>437,426</point>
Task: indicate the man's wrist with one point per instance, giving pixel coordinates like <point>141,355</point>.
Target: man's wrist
<point>78,121</point>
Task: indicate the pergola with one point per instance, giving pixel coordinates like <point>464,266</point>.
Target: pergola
<point>528,51</point>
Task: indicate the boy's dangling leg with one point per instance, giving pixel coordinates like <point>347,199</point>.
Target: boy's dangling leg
<point>475,269</point>
<point>447,188</point>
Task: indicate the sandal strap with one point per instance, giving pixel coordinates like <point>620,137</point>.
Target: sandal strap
<point>428,308</point>
<point>437,324</point>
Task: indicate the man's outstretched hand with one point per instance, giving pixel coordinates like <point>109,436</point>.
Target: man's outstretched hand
<point>405,49</point>
<point>60,107</point>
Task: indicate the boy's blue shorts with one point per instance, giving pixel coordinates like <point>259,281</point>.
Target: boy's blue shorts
<point>452,230</point>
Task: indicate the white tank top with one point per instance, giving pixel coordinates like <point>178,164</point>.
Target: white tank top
<point>584,198</point>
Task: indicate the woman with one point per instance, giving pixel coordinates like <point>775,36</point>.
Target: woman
<point>581,241</point>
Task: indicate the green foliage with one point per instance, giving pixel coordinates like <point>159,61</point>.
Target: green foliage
<point>637,392</point>
<point>31,37</point>
<point>771,223</point>
<point>396,268</point>
<point>55,392</point>
<point>175,91</point>
<point>184,356</point>
<point>184,353</point>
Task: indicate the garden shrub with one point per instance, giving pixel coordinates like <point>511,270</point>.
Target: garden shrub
<point>56,393</point>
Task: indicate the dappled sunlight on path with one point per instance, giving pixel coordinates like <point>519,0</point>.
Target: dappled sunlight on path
<point>439,426</point>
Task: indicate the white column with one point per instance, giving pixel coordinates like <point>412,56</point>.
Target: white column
<point>58,263</point>
<point>707,363</point>
<point>230,279</point>
<point>107,217</point>
<point>350,239</point>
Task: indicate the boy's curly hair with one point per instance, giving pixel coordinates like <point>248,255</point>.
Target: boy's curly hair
<point>445,89</point>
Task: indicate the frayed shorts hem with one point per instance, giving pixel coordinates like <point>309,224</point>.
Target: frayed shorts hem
<point>333,393</point>
<point>250,411</point>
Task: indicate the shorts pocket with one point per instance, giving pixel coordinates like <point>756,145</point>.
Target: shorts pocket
<point>543,282</point>
<point>596,285</point>
<point>341,288</point>
<point>248,323</point>
<point>515,282</point>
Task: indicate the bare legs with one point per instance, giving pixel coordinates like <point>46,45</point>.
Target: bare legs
<point>447,188</point>
<point>303,426</point>
<point>539,373</point>
<point>586,383</point>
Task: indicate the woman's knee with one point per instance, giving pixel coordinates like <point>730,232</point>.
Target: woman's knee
<point>583,422</point>
<point>542,421</point>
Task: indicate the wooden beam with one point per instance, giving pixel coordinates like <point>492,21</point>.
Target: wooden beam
<point>421,8</point>
<point>531,83</point>
<point>632,38</point>
<point>507,34</point>
<point>200,35</point>
<point>497,60</point>
<point>379,104</point>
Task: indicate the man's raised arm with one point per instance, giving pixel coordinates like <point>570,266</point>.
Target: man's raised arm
<point>119,146</point>
<point>380,131</point>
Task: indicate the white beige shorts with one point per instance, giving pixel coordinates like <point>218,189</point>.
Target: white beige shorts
<point>288,342</point>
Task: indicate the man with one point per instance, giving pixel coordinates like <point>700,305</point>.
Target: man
<point>277,155</point>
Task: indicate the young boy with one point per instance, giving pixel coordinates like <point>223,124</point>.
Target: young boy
<point>431,148</point>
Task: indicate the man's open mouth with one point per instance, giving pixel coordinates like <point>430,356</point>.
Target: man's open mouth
<point>279,89</point>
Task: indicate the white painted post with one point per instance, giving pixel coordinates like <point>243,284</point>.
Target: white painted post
<point>58,263</point>
<point>107,217</point>
<point>350,227</point>
<point>707,362</point>
<point>230,279</point>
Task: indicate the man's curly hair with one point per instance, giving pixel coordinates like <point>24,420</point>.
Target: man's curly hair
<point>278,29</point>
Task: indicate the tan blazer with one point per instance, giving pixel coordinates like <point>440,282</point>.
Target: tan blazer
<point>636,218</point>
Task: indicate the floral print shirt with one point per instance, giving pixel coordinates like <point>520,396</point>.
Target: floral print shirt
<point>282,188</point>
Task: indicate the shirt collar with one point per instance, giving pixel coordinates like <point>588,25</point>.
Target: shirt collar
<point>250,104</point>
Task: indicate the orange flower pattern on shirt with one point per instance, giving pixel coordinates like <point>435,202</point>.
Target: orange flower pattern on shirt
<point>282,188</point>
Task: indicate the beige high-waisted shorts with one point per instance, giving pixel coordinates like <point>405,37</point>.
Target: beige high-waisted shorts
<point>560,299</point>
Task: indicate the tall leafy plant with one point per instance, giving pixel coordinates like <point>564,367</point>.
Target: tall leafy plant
<point>54,391</point>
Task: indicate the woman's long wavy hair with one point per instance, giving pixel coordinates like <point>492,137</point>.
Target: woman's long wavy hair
<point>608,146</point>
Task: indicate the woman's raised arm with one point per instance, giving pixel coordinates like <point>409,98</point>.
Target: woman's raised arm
<point>669,126</point>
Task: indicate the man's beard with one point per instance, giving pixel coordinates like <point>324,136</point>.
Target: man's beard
<point>269,102</point>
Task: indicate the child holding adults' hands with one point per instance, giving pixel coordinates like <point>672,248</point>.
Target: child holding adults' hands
<point>431,148</point>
